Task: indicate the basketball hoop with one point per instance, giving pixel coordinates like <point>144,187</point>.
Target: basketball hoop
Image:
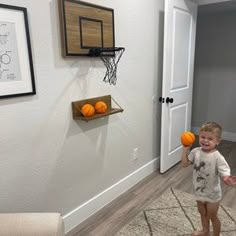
<point>110,58</point>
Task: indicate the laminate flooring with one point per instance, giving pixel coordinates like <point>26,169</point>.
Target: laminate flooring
<point>115,215</point>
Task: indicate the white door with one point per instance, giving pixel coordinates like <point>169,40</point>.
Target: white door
<point>178,64</point>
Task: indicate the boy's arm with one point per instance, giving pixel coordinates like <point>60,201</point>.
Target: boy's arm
<point>229,180</point>
<point>184,159</point>
<point>224,171</point>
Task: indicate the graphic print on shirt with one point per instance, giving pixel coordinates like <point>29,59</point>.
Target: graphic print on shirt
<point>201,176</point>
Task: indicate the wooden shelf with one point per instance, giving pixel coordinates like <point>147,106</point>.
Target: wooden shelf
<point>76,107</point>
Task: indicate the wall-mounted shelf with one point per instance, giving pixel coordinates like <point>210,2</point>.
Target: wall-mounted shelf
<point>76,107</point>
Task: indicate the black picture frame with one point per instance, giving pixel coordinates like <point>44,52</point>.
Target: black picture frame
<point>16,64</point>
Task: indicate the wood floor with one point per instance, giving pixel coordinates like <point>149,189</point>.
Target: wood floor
<point>114,216</point>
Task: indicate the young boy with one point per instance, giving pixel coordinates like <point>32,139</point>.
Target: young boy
<point>208,166</point>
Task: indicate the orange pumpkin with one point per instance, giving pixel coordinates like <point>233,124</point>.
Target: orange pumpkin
<point>187,138</point>
<point>88,110</point>
<point>100,107</point>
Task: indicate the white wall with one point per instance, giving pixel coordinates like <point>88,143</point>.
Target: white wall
<point>49,162</point>
<point>215,68</point>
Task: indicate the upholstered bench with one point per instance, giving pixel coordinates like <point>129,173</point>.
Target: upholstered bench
<point>31,224</point>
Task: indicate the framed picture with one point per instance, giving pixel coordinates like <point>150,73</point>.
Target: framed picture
<point>85,26</point>
<point>16,65</point>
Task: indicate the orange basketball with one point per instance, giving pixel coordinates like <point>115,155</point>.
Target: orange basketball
<point>88,110</point>
<point>100,107</point>
<point>187,138</point>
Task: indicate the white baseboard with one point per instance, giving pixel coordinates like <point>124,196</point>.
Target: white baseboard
<point>225,135</point>
<point>84,211</point>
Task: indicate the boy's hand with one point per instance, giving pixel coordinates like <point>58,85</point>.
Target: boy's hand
<point>229,180</point>
<point>184,159</point>
<point>186,147</point>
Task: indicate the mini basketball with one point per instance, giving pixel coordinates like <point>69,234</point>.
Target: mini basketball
<point>88,110</point>
<point>100,107</point>
<point>187,138</point>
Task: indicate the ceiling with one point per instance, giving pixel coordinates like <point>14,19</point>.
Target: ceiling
<point>217,7</point>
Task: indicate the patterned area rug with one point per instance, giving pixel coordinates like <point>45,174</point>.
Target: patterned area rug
<point>175,213</point>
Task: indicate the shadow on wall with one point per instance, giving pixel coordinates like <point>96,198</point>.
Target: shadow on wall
<point>158,86</point>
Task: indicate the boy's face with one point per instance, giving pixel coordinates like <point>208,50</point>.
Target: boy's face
<point>208,141</point>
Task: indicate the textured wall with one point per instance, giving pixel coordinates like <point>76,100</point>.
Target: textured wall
<point>215,69</point>
<point>49,162</point>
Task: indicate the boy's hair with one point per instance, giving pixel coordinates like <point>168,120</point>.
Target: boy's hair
<point>212,127</point>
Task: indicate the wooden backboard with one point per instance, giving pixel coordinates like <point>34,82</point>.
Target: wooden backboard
<point>85,26</point>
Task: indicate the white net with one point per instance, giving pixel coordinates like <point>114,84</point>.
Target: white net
<point>110,58</point>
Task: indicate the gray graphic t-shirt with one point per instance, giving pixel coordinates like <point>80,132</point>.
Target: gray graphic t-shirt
<point>207,170</point>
